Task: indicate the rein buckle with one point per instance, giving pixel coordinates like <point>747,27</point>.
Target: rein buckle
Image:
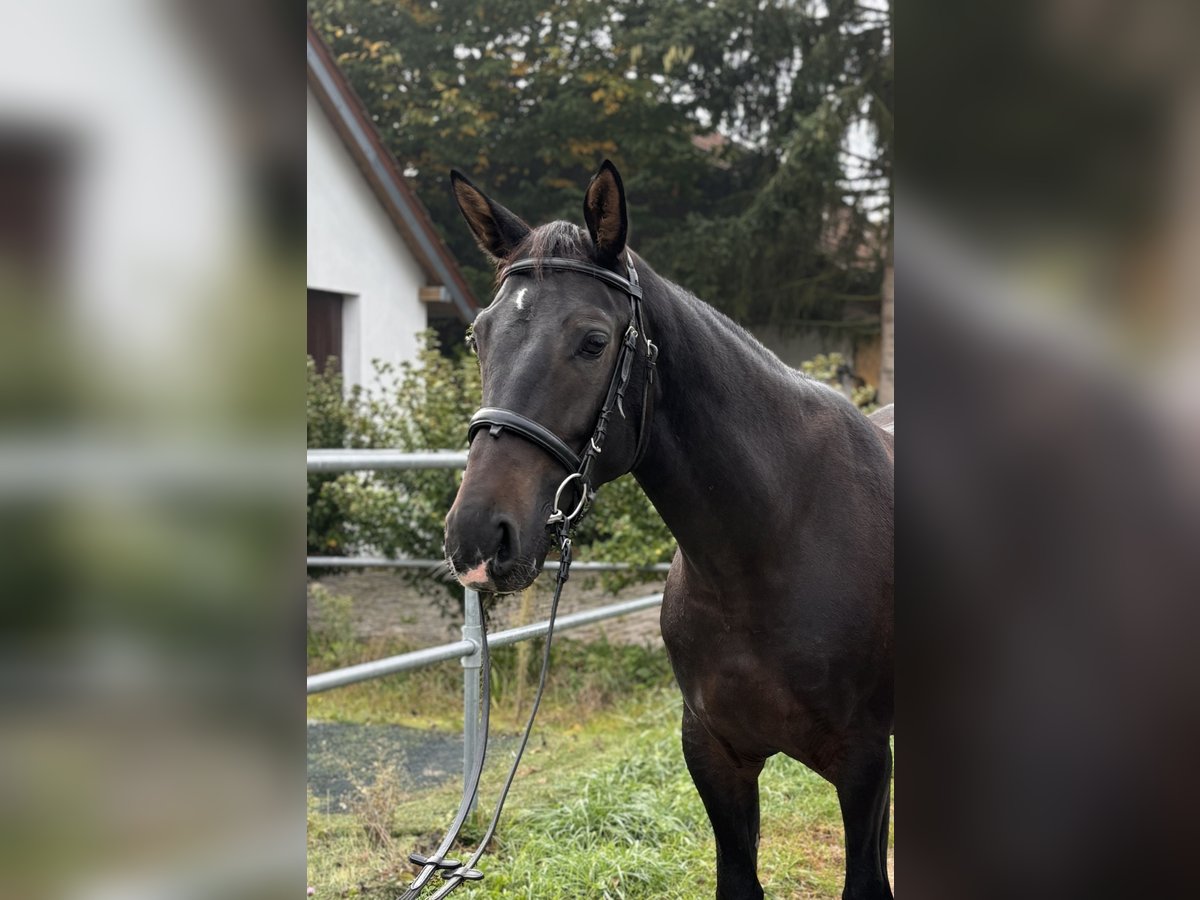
<point>440,862</point>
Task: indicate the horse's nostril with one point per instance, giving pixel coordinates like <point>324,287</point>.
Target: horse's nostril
<point>508,548</point>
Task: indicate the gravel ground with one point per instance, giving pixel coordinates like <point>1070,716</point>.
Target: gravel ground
<point>342,755</point>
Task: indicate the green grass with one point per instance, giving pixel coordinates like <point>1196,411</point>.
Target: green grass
<point>602,807</point>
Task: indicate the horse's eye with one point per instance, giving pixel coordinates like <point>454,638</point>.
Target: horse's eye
<point>594,344</point>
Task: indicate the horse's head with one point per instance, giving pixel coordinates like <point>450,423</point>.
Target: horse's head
<point>548,345</point>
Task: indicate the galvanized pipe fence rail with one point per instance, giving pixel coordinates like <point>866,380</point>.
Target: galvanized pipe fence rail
<point>469,650</point>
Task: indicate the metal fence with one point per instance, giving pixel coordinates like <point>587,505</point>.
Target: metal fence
<point>469,649</point>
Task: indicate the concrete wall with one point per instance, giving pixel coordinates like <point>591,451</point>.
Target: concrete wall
<point>355,250</point>
<point>796,345</point>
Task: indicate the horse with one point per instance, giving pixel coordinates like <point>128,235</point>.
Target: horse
<point>777,612</point>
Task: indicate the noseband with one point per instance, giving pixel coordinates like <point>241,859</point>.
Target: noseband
<point>580,465</point>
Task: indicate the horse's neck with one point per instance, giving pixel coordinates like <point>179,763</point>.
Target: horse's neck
<point>722,429</point>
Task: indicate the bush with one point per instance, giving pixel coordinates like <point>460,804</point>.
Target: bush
<point>330,424</point>
<point>421,406</point>
<point>624,527</point>
<point>415,406</point>
<point>830,368</point>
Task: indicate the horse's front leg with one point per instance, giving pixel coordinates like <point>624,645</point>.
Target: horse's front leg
<point>730,795</point>
<point>864,789</point>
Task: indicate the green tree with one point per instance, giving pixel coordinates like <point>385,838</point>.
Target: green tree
<point>731,120</point>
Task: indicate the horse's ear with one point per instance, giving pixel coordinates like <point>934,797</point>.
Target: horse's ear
<point>496,229</point>
<point>605,213</point>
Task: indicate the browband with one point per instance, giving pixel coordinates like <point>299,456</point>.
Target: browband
<point>495,420</point>
<point>559,263</point>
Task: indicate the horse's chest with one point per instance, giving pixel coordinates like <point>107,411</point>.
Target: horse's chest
<point>760,687</point>
<point>728,669</point>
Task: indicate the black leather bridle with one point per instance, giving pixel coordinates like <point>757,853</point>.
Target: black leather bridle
<point>579,465</point>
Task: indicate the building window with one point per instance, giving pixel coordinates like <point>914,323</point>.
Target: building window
<point>325,327</point>
<point>34,176</point>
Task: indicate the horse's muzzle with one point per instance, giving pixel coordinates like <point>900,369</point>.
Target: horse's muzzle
<point>485,553</point>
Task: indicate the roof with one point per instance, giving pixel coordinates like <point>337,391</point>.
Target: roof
<point>353,124</point>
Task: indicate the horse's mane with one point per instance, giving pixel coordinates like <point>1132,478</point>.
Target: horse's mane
<point>569,241</point>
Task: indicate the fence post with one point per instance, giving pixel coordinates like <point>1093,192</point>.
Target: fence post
<point>472,630</point>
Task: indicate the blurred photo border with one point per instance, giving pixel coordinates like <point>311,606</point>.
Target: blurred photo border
<point>152,403</point>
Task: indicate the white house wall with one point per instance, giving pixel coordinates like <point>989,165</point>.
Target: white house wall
<point>154,213</point>
<point>355,250</point>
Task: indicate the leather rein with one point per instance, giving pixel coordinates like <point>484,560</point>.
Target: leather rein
<point>579,466</point>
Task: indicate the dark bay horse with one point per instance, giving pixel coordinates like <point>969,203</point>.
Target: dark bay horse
<point>778,609</point>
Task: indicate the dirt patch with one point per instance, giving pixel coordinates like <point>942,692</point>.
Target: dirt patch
<point>387,605</point>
